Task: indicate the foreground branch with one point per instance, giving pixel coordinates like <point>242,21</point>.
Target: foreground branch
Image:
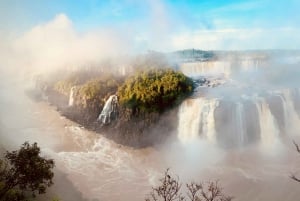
<point>169,190</point>
<point>293,176</point>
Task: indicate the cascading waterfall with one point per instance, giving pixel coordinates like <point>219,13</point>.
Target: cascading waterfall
<point>110,110</point>
<point>291,118</point>
<point>268,129</point>
<point>189,119</point>
<point>240,123</point>
<point>208,119</point>
<point>196,118</point>
<point>71,97</point>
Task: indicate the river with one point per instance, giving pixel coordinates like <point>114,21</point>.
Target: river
<point>89,166</point>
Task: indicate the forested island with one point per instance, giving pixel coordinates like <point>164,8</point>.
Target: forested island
<point>125,108</point>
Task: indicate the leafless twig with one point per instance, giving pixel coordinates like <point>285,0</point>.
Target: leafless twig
<point>169,190</point>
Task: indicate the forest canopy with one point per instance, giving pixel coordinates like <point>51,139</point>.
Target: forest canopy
<point>154,90</point>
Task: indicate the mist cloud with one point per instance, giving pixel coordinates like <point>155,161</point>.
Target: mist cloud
<point>57,44</point>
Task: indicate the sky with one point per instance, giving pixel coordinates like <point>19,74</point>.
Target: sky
<point>162,25</point>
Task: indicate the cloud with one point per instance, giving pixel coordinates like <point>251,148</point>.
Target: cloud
<point>154,30</point>
<point>238,39</point>
<point>57,44</point>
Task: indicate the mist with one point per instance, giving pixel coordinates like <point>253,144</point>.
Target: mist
<point>238,131</point>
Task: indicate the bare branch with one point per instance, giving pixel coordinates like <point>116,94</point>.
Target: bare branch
<point>193,189</point>
<point>169,190</point>
<point>292,176</point>
<point>297,146</point>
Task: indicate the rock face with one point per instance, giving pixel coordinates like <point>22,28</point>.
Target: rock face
<point>209,81</point>
<point>123,125</point>
<point>110,110</point>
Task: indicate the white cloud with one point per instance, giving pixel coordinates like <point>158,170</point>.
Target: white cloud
<point>57,44</point>
<point>238,39</point>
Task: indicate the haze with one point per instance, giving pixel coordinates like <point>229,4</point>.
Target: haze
<point>239,132</point>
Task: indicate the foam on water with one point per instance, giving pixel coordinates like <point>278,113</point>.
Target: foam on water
<point>101,165</point>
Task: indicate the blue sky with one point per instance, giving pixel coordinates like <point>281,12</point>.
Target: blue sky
<point>168,24</point>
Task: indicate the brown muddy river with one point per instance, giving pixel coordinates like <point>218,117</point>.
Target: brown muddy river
<point>99,169</point>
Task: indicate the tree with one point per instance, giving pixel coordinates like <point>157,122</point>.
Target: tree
<point>169,190</point>
<point>24,171</point>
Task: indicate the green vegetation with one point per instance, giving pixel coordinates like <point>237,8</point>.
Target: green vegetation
<point>24,173</point>
<point>97,90</point>
<point>154,90</point>
<point>92,88</point>
<point>75,78</point>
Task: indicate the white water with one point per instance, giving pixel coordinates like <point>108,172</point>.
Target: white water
<point>109,109</point>
<point>99,166</point>
<point>196,118</point>
<point>208,120</point>
<point>71,97</point>
<point>240,123</point>
<point>268,128</point>
<point>291,117</point>
<point>189,119</point>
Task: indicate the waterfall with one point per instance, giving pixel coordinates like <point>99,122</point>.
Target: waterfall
<point>196,117</point>
<point>240,123</point>
<point>208,119</point>
<point>71,97</point>
<point>197,120</point>
<point>291,118</point>
<point>268,129</point>
<point>189,119</point>
<point>249,65</point>
<point>110,110</point>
